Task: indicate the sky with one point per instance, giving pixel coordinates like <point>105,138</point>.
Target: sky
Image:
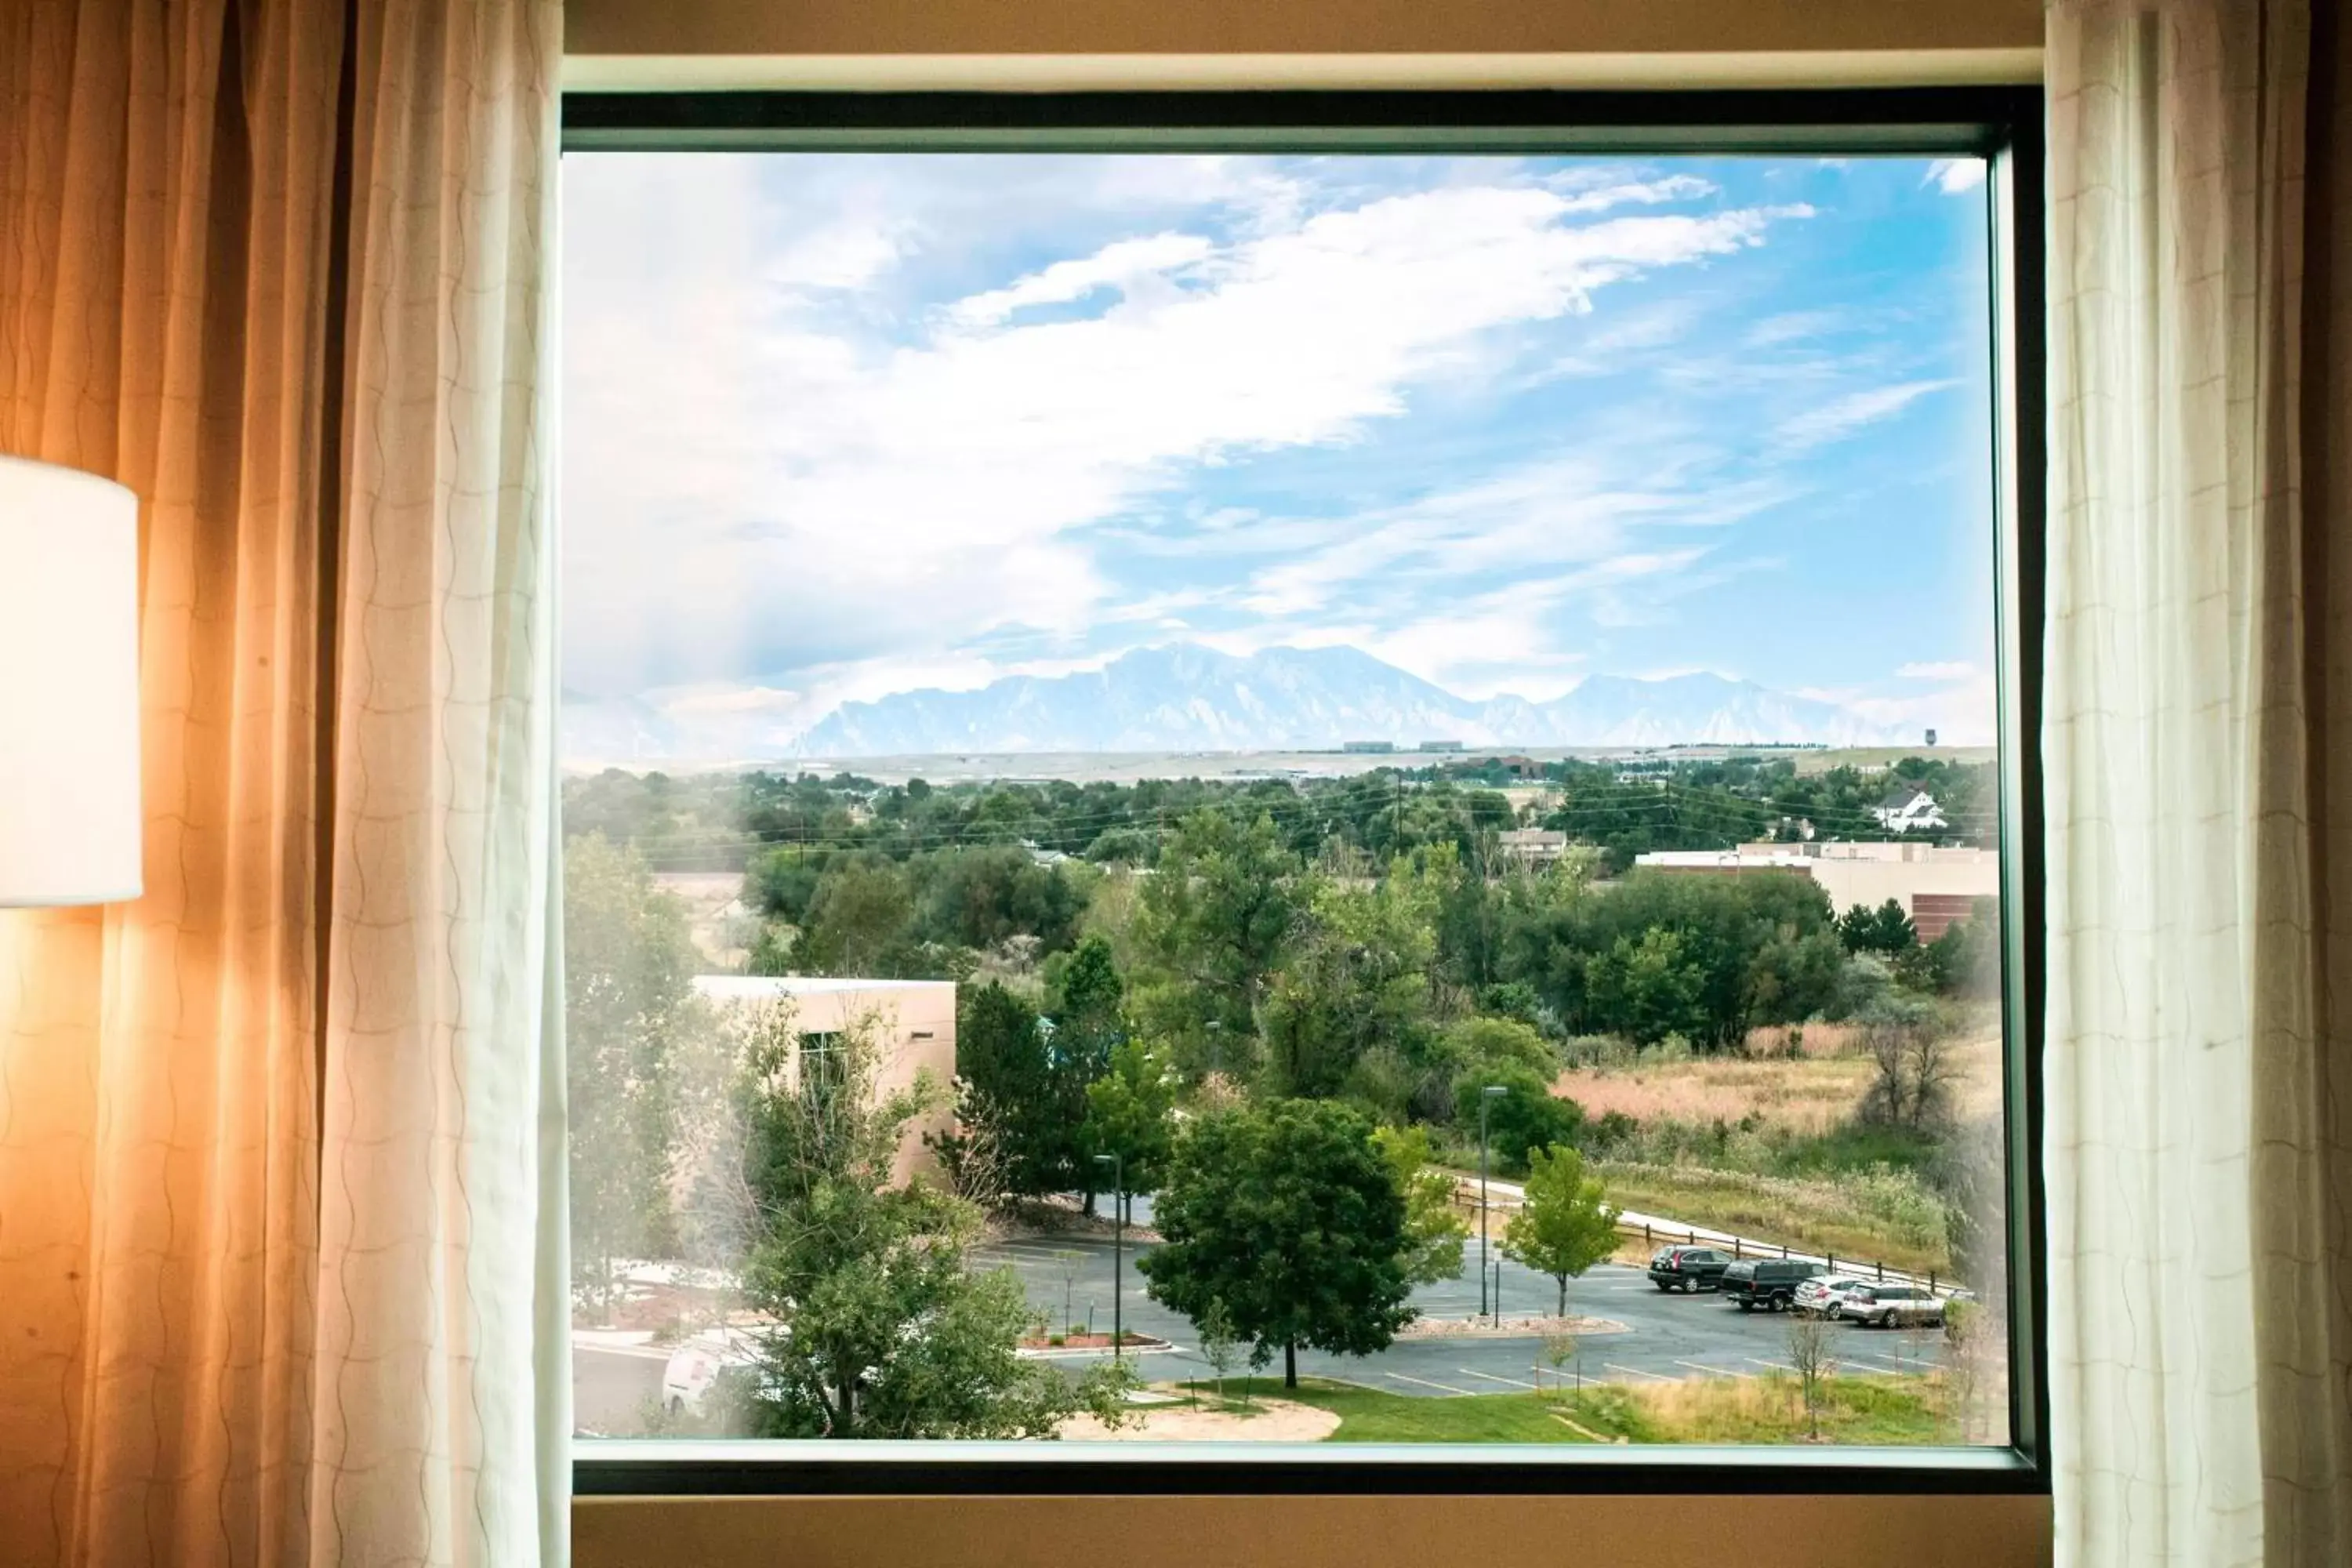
<point>836,426</point>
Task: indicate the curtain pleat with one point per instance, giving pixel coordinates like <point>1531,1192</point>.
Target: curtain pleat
<point>2197,1268</point>
<point>445,1076</point>
<point>235,1330</point>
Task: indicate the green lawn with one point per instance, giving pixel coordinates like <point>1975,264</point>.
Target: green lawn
<point>1751,1410</point>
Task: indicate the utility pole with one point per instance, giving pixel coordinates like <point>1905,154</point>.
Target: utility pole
<point>1486,1097</point>
<point>1118,1165</point>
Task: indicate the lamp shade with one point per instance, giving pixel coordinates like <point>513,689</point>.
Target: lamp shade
<point>70,817</point>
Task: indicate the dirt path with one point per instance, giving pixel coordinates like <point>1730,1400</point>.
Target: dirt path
<point>1266,1421</point>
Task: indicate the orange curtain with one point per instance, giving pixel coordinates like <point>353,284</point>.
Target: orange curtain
<point>209,1353</point>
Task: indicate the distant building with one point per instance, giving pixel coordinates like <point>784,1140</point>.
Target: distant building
<point>1520,767</point>
<point>1936,884</point>
<point>1931,737</point>
<point>1441,745</point>
<point>1531,845</point>
<point>1370,748</point>
<point>1043,857</point>
<point>1906,808</point>
<point>914,1025</point>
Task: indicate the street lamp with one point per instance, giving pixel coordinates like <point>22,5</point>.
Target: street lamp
<point>1486,1097</point>
<point>1118,1241</point>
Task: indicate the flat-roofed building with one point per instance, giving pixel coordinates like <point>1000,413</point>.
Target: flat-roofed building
<point>1531,845</point>
<point>914,1025</point>
<point>1936,884</point>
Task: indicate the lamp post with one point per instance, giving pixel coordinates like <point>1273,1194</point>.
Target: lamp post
<point>1486,1097</point>
<point>1118,1165</point>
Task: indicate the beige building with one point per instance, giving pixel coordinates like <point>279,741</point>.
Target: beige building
<point>1936,884</point>
<point>914,1022</point>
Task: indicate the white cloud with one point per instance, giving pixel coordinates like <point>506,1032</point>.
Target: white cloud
<point>754,485</point>
<point>1841,417</point>
<point>1122,266</point>
<point>1941,669</point>
<point>1955,176</point>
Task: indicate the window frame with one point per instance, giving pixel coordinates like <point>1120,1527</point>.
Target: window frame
<point>2002,124</point>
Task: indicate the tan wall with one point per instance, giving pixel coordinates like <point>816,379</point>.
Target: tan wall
<point>1268,27</point>
<point>1311,1532</point>
<point>902,1011</point>
<point>1873,882</point>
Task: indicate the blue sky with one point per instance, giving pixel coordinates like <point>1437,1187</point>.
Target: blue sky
<point>836,426</point>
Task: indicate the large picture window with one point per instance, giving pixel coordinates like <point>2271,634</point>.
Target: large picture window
<point>1331,785</point>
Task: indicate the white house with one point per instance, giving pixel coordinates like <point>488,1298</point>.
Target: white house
<point>1906,807</point>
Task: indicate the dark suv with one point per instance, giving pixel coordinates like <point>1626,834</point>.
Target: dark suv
<point>1687,1267</point>
<point>1766,1282</point>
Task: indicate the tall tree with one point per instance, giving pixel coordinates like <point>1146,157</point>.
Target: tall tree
<point>1012,1092</point>
<point>628,973</point>
<point>1434,1231</point>
<point>1565,1226</point>
<point>1289,1214</point>
<point>1132,1113</point>
<point>886,1331</point>
<point>1218,914</point>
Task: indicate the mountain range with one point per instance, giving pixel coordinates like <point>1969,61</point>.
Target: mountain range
<point>1185,697</point>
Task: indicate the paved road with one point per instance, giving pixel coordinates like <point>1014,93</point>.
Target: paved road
<point>1666,1337</point>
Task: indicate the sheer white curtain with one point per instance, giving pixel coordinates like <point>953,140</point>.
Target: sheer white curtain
<point>2196,1154</point>
<point>281,1219</point>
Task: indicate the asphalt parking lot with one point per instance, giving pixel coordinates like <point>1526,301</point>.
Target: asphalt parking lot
<point>1666,1337</point>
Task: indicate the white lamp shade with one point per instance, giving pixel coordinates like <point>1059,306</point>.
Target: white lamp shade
<point>69,688</point>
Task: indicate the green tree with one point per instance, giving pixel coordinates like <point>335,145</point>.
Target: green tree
<point>1011,1089</point>
<point>886,1331</point>
<point>1218,915</point>
<point>1647,988</point>
<point>1289,1214</point>
<point>1527,1116</point>
<point>1434,1231</point>
<point>857,922</point>
<point>1132,1113</point>
<point>1565,1226</point>
<point>628,973</point>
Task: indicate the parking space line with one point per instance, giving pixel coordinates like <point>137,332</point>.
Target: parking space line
<point>1490,1377</point>
<point>1875,1360</point>
<point>1637,1371</point>
<point>1424,1382</point>
<point>1775,1365</point>
<point>1702,1366</point>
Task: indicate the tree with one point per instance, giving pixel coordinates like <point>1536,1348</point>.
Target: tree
<point>1218,914</point>
<point>1434,1232</point>
<point>1527,1116</point>
<point>1289,1214</point>
<point>1218,1346</point>
<point>1565,1226</point>
<point>629,1002</point>
<point>885,1330</point>
<point>1909,1047</point>
<point>1646,988</point>
<point>858,921</point>
<point>1886,929</point>
<point>1008,1092</point>
<point>1810,1341</point>
<point>1132,1113</point>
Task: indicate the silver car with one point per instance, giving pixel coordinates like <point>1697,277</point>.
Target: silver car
<point>1823,1292</point>
<point>1892,1307</point>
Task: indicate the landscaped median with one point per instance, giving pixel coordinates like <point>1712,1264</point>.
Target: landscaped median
<point>1770,1409</point>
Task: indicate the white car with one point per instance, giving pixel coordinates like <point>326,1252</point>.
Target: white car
<point>697,1362</point>
<point>1823,1292</point>
<point>1892,1307</point>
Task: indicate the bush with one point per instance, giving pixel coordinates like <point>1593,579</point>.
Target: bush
<point>1525,1115</point>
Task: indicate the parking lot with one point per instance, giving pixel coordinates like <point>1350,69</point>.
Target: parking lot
<point>1666,1338</point>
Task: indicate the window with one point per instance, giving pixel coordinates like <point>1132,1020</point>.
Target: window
<point>1294,770</point>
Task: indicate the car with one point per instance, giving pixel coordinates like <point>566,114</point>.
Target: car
<point>1892,1307</point>
<point>694,1365</point>
<point>1767,1282</point>
<point>1687,1267</point>
<point>1823,1292</point>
